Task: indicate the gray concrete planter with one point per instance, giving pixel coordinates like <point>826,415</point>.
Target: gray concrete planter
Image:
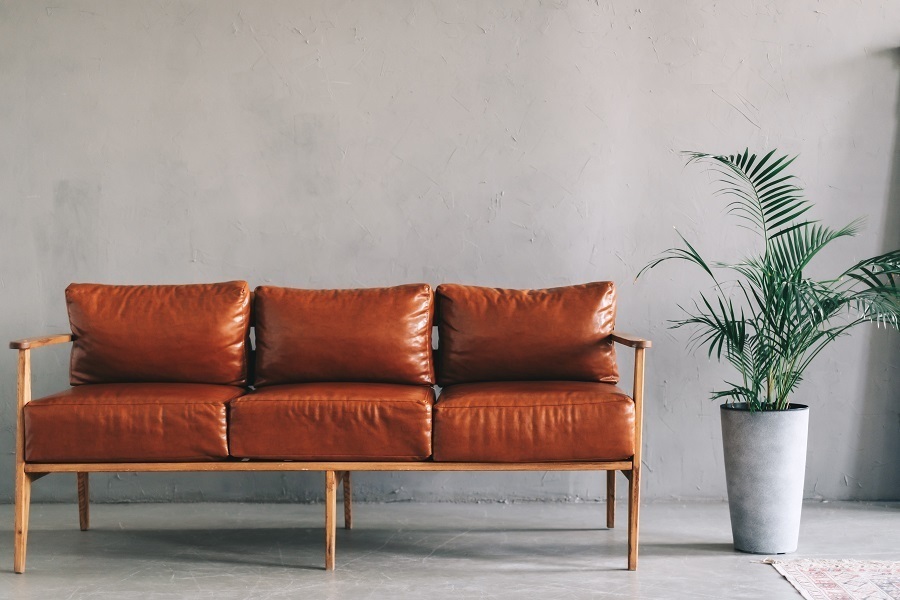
<point>765,463</point>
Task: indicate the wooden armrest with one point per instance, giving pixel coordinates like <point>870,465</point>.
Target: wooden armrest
<point>630,340</point>
<point>37,342</point>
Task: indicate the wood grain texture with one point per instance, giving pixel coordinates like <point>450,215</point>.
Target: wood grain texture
<point>626,339</point>
<point>37,342</point>
<point>23,505</point>
<point>638,396</point>
<point>319,466</point>
<point>634,482</point>
<point>634,506</point>
<point>610,499</point>
<point>23,479</point>
<point>330,514</point>
<point>84,500</point>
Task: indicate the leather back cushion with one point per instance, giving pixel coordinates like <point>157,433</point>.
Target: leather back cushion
<point>377,335</point>
<point>491,334</point>
<point>159,333</point>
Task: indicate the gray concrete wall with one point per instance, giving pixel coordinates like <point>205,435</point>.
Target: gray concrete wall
<point>509,143</point>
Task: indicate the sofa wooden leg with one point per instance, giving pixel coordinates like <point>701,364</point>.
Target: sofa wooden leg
<point>84,499</point>
<point>634,504</point>
<point>330,514</point>
<point>610,499</point>
<point>348,502</point>
<point>23,479</point>
<point>23,504</point>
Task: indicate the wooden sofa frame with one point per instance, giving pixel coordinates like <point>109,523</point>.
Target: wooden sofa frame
<point>336,473</point>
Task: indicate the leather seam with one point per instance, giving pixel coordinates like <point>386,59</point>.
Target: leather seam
<point>265,384</point>
<point>41,404</point>
<point>253,398</point>
<point>629,400</point>
<point>376,402</point>
<point>371,458</point>
<point>167,460</point>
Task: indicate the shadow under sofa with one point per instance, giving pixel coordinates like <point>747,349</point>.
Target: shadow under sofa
<point>163,379</point>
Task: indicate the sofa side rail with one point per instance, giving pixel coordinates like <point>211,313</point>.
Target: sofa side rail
<point>23,397</point>
<point>634,474</point>
<point>632,341</point>
<point>37,342</point>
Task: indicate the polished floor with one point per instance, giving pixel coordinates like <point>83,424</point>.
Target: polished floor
<point>405,550</point>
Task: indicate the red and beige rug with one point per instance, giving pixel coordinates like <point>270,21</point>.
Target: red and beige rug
<point>842,579</point>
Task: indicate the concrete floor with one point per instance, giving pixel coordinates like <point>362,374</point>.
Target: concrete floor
<point>404,550</point>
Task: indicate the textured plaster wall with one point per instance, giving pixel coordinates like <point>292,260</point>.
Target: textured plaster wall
<point>508,143</point>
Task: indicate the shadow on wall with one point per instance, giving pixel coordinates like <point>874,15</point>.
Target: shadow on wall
<point>883,430</point>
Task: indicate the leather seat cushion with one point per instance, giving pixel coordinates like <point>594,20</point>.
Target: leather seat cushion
<point>556,334</point>
<point>378,335</point>
<point>193,333</point>
<point>130,422</point>
<point>333,421</point>
<point>533,421</point>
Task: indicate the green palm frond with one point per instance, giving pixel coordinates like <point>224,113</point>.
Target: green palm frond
<point>775,320</point>
<point>793,249</point>
<point>763,194</point>
<point>689,254</point>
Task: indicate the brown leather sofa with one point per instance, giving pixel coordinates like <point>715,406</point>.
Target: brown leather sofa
<point>163,378</point>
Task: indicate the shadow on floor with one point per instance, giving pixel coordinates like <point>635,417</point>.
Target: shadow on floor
<point>688,549</point>
<point>304,547</point>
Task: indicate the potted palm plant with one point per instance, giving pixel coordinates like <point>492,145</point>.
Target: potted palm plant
<point>769,320</point>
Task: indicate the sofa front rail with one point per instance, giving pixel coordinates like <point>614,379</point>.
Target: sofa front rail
<point>246,465</point>
<point>336,473</point>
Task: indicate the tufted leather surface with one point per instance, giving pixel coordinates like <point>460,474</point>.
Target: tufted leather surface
<point>533,421</point>
<point>491,334</point>
<point>159,333</point>
<point>333,421</point>
<point>129,422</point>
<point>379,335</point>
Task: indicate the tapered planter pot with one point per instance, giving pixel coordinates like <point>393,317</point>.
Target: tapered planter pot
<point>765,463</point>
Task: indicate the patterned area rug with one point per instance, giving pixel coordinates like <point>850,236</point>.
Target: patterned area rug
<point>842,579</point>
